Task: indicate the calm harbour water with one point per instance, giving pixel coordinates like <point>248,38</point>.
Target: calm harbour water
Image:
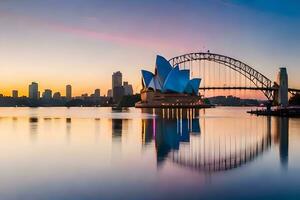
<point>97,153</point>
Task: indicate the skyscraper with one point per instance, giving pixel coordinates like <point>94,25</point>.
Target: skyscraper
<point>128,90</point>
<point>15,94</point>
<point>117,88</point>
<point>116,79</point>
<point>97,93</point>
<point>33,91</point>
<point>68,91</point>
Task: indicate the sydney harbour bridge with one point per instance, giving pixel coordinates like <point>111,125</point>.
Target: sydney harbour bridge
<point>220,72</point>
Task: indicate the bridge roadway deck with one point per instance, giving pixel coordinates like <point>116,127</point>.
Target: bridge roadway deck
<point>245,88</point>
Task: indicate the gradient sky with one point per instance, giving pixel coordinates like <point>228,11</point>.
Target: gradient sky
<point>82,42</point>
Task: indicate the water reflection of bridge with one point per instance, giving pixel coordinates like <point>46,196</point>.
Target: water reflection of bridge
<point>222,143</point>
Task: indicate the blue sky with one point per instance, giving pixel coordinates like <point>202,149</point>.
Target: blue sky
<point>56,42</point>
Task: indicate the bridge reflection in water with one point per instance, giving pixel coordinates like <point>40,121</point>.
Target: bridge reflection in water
<point>213,143</point>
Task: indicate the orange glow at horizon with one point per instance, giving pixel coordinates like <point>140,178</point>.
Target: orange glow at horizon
<point>77,88</point>
<point>243,94</point>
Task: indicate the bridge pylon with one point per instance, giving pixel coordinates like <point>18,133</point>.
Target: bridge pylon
<point>282,81</point>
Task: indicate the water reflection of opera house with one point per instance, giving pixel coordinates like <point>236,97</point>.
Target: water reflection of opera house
<point>182,137</point>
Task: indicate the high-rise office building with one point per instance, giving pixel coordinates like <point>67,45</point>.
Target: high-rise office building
<point>116,79</point>
<point>56,95</point>
<point>97,93</point>
<point>47,94</point>
<point>33,91</point>
<point>117,88</point>
<point>68,91</point>
<point>109,93</point>
<point>127,88</point>
<point>118,93</point>
<point>15,94</point>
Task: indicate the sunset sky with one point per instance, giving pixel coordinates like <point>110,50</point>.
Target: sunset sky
<point>82,42</point>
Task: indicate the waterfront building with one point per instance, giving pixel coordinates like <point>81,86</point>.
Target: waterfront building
<point>116,79</point>
<point>117,88</point>
<point>56,95</point>
<point>118,93</point>
<point>168,79</point>
<point>33,91</point>
<point>109,93</point>
<point>47,94</point>
<point>97,93</point>
<point>68,91</point>
<point>15,94</point>
<point>128,90</point>
<point>84,95</point>
<point>169,87</point>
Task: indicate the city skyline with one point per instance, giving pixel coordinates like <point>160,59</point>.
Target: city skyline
<point>87,40</point>
<point>34,90</point>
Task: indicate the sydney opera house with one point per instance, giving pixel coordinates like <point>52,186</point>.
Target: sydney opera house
<point>169,87</point>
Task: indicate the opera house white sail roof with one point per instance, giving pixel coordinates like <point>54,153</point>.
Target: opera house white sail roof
<point>168,79</point>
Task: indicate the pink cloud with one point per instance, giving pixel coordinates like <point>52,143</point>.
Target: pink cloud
<point>90,34</point>
<point>115,38</point>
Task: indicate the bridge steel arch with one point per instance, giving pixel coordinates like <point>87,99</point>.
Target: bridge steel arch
<point>257,78</point>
